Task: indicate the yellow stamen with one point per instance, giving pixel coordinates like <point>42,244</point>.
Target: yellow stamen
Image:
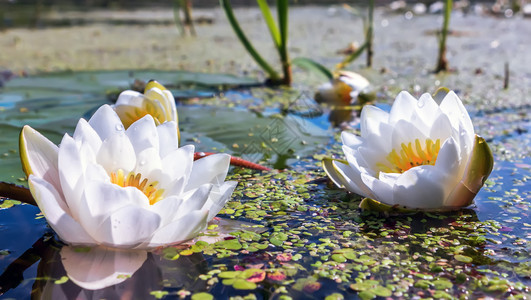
<point>151,191</point>
<point>408,156</point>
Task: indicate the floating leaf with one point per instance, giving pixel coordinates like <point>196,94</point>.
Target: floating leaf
<point>242,284</point>
<point>202,296</point>
<point>61,280</point>
<point>463,258</point>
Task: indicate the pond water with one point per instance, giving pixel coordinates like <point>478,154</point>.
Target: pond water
<point>295,235</point>
<point>301,237</point>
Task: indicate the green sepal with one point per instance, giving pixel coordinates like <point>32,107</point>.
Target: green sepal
<point>479,166</point>
<point>332,172</point>
<point>440,93</point>
<point>369,204</point>
<point>23,151</point>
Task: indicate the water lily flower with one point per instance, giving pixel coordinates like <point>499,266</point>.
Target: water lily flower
<point>100,267</point>
<point>342,90</point>
<point>133,188</point>
<point>156,101</point>
<point>420,155</point>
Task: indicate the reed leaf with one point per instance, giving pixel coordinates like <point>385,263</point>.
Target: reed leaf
<point>311,65</point>
<point>352,57</point>
<point>226,5</point>
<point>270,21</point>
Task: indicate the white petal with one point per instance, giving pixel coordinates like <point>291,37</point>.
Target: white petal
<point>57,214</point>
<point>427,109</point>
<point>354,80</point>
<point>180,230</point>
<point>389,178</point>
<point>176,187</point>
<point>39,156</point>
<point>149,164</point>
<point>405,132</point>
<point>451,165</point>
<point>117,152</point>
<point>100,200</point>
<point>441,128</point>
<point>352,178</point>
<point>194,200</point>
<point>86,135</point>
<point>370,157</point>
<point>143,134</point>
<point>211,169</point>
<point>351,140</point>
<point>167,209</point>
<point>168,138</point>
<point>95,172</point>
<point>448,160</point>
<point>100,267</point>
<point>128,227</point>
<point>103,198</point>
<point>106,122</point>
<point>382,190</point>
<point>456,111</point>
<point>371,118</point>
<point>169,106</point>
<point>71,174</point>
<point>403,107</point>
<point>218,198</point>
<point>178,164</point>
<point>422,187</point>
<point>130,97</point>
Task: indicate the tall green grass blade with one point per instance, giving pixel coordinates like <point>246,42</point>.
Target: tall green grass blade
<point>270,21</point>
<point>370,33</point>
<point>313,66</point>
<point>351,57</point>
<point>225,4</point>
<point>177,16</point>
<point>282,6</point>
<point>442,63</point>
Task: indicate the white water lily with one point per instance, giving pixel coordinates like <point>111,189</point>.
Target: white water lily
<point>131,188</point>
<point>156,101</point>
<point>342,90</point>
<point>420,155</point>
<point>100,267</point>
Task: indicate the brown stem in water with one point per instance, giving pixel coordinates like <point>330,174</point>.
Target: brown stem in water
<point>16,192</point>
<point>235,161</point>
<point>442,62</point>
<point>188,22</point>
<point>506,78</point>
<point>286,68</point>
<point>370,34</point>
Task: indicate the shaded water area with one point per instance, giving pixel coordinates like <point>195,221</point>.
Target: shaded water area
<point>301,237</point>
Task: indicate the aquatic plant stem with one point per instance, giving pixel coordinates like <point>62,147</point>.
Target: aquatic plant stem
<point>177,16</point>
<point>188,22</point>
<point>282,8</point>
<point>273,76</point>
<point>442,62</point>
<point>235,161</point>
<point>17,192</point>
<point>370,34</point>
<point>506,77</point>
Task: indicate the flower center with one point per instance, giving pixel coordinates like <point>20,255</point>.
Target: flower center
<point>409,156</point>
<point>149,189</point>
